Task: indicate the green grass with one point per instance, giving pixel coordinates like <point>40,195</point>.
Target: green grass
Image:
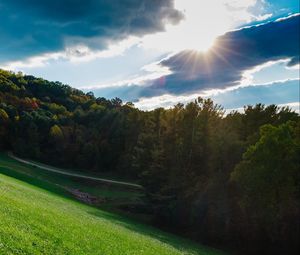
<point>114,195</point>
<point>35,221</point>
<point>115,198</point>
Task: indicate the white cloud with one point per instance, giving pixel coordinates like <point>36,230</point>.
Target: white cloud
<point>294,67</point>
<point>295,106</point>
<point>263,17</point>
<point>36,61</point>
<point>287,17</point>
<point>74,54</point>
<point>168,100</point>
<point>248,76</point>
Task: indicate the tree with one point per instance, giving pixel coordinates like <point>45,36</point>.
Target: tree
<point>4,119</point>
<point>116,102</point>
<point>56,133</point>
<point>3,116</point>
<point>268,178</point>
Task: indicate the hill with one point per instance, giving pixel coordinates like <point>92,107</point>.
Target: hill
<point>35,221</point>
<point>224,180</point>
<point>110,194</point>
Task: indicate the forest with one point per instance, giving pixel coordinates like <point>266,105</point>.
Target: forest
<point>227,180</point>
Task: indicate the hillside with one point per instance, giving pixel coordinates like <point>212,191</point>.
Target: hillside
<point>111,194</point>
<point>34,221</point>
<point>223,180</point>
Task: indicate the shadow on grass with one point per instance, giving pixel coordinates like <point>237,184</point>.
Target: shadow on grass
<point>176,242</point>
<point>36,182</point>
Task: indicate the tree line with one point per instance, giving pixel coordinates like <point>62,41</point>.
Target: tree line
<point>228,180</point>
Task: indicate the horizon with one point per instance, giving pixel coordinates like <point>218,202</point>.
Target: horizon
<point>158,54</point>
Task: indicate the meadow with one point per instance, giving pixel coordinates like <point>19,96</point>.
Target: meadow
<point>110,196</point>
<point>39,221</point>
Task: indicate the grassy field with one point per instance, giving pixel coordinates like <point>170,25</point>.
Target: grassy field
<point>111,197</point>
<point>35,221</point>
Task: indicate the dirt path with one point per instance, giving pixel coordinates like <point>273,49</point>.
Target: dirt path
<point>55,170</point>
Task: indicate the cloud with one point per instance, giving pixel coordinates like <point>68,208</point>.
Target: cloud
<point>74,54</point>
<point>229,64</point>
<point>81,46</point>
<point>34,27</point>
<point>295,106</point>
<point>279,92</point>
<point>264,17</point>
<point>232,55</point>
<point>219,16</point>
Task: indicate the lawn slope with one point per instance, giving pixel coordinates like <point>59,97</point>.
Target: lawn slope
<point>110,196</point>
<point>35,221</point>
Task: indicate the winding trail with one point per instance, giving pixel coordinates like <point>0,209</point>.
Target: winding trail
<point>59,171</point>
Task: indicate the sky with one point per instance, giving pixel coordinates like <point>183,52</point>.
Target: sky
<point>156,53</point>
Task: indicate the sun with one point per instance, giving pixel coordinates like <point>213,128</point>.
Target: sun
<point>203,22</point>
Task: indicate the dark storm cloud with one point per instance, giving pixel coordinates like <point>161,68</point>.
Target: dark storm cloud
<point>233,53</point>
<point>223,66</point>
<point>33,26</point>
